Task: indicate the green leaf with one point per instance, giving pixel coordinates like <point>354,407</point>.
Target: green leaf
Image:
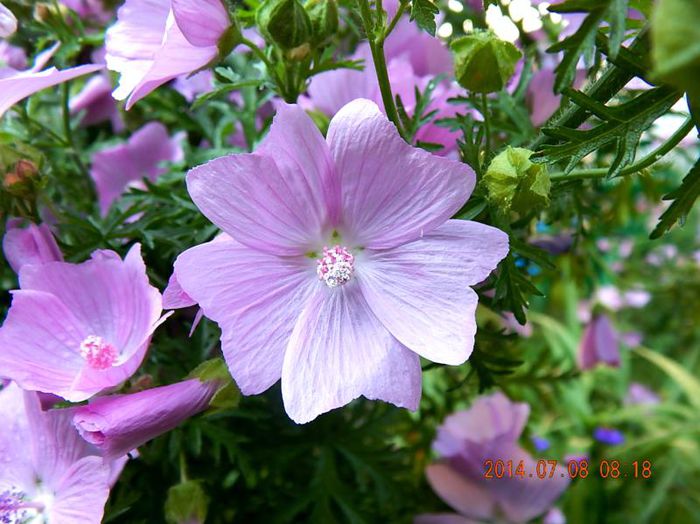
<point>423,12</point>
<point>186,503</point>
<point>622,128</point>
<point>688,383</point>
<point>683,199</point>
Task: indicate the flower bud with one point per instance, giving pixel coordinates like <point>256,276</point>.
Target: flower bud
<point>8,22</point>
<point>324,19</point>
<point>186,503</point>
<point>284,22</point>
<point>515,183</point>
<point>20,180</point>
<point>483,62</point>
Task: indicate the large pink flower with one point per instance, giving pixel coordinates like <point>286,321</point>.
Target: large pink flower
<point>155,41</point>
<point>76,329</point>
<point>340,265</point>
<point>48,473</point>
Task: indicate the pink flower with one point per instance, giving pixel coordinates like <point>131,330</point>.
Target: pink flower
<point>599,344</point>
<point>76,329</point>
<point>11,57</point>
<point>116,168</point>
<point>489,430</point>
<point>49,473</point>
<point>541,99</point>
<point>17,85</point>
<point>8,22</point>
<point>89,9</point>
<point>117,424</point>
<point>30,245</point>
<point>339,266</point>
<point>639,394</point>
<point>330,91</point>
<point>96,100</point>
<point>155,41</point>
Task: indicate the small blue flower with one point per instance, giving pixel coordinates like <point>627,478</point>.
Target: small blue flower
<point>609,436</point>
<point>540,443</point>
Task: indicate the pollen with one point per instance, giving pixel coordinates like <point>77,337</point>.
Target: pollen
<point>336,266</point>
<point>99,353</point>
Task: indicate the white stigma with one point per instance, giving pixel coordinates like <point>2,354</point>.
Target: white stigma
<point>99,353</point>
<point>336,266</point>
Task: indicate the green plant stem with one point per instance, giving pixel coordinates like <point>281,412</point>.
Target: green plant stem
<point>399,13</point>
<point>487,125</point>
<point>651,158</point>
<point>69,134</point>
<point>257,52</point>
<point>376,45</point>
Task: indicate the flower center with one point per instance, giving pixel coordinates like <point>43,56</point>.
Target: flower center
<point>336,266</point>
<point>15,508</point>
<point>99,353</point>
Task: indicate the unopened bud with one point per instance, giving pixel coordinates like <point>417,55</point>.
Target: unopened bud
<point>517,184</point>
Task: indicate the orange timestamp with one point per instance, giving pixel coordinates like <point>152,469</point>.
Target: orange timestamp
<point>544,469</point>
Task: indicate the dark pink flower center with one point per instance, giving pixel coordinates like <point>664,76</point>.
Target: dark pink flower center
<point>99,353</point>
<point>336,266</point>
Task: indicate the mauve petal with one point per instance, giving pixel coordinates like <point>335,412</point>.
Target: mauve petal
<point>117,424</point>
<point>255,298</point>
<point>96,100</point>
<point>442,518</point>
<point>391,193</point>
<point>40,341</point>
<point>340,351</point>
<point>304,161</point>
<point>132,43</point>
<point>59,445</point>
<point>246,196</point>
<point>8,22</point>
<point>174,58</point>
<point>465,496</point>
<point>30,245</point>
<point>428,55</point>
<point>17,87</point>
<point>15,439</point>
<point>174,297</point>
<point>599,344</point>
<point>81,494</point>
<point>420,291</point>
<point>202,22</point>
<point>115,168</point>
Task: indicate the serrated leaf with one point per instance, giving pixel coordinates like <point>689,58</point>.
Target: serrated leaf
<point>623,128</point>
<point>424,12</point>
<point>683,199</point>
<point>617,16</point>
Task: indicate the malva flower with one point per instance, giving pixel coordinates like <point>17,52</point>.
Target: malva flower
<point>155,41</point>
<point>96,103</point>
<point>29,245</point>
<point>339,265</point>
<point>116,168</point>
<point>488,430</point>
<point>89,10</point>
<point>17,85</point>
<point>75,330</point>
<point>49,473</point>
<point>599,344</point>
<point>118,424</point>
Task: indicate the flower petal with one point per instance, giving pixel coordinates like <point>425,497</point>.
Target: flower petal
<point>30,245</point>
<point>17,87</point>
<point>15,439</point>
<point>465,496</point>
<point>82,493</point>
<point>273,200</point>
<point>420,291</point>
<point>339,351</point>
<point>202,22</point>
<point>391,193</point>
<point>255,298</point>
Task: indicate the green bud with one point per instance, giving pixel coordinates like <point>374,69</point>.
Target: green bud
<point>228,395</point>
<point>186,503</point>
<point>284,22</point>
<point>675,36</point>
<point>515,183</point>
<point>483,62</point>
<point>324,18</point>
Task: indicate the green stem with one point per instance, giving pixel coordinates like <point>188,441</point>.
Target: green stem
<point>399,13</point>
<point>487,124</point>
<point>651,158</point>
<point>257,52</point>
<point>69,134</point>
<point>376,45</point>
